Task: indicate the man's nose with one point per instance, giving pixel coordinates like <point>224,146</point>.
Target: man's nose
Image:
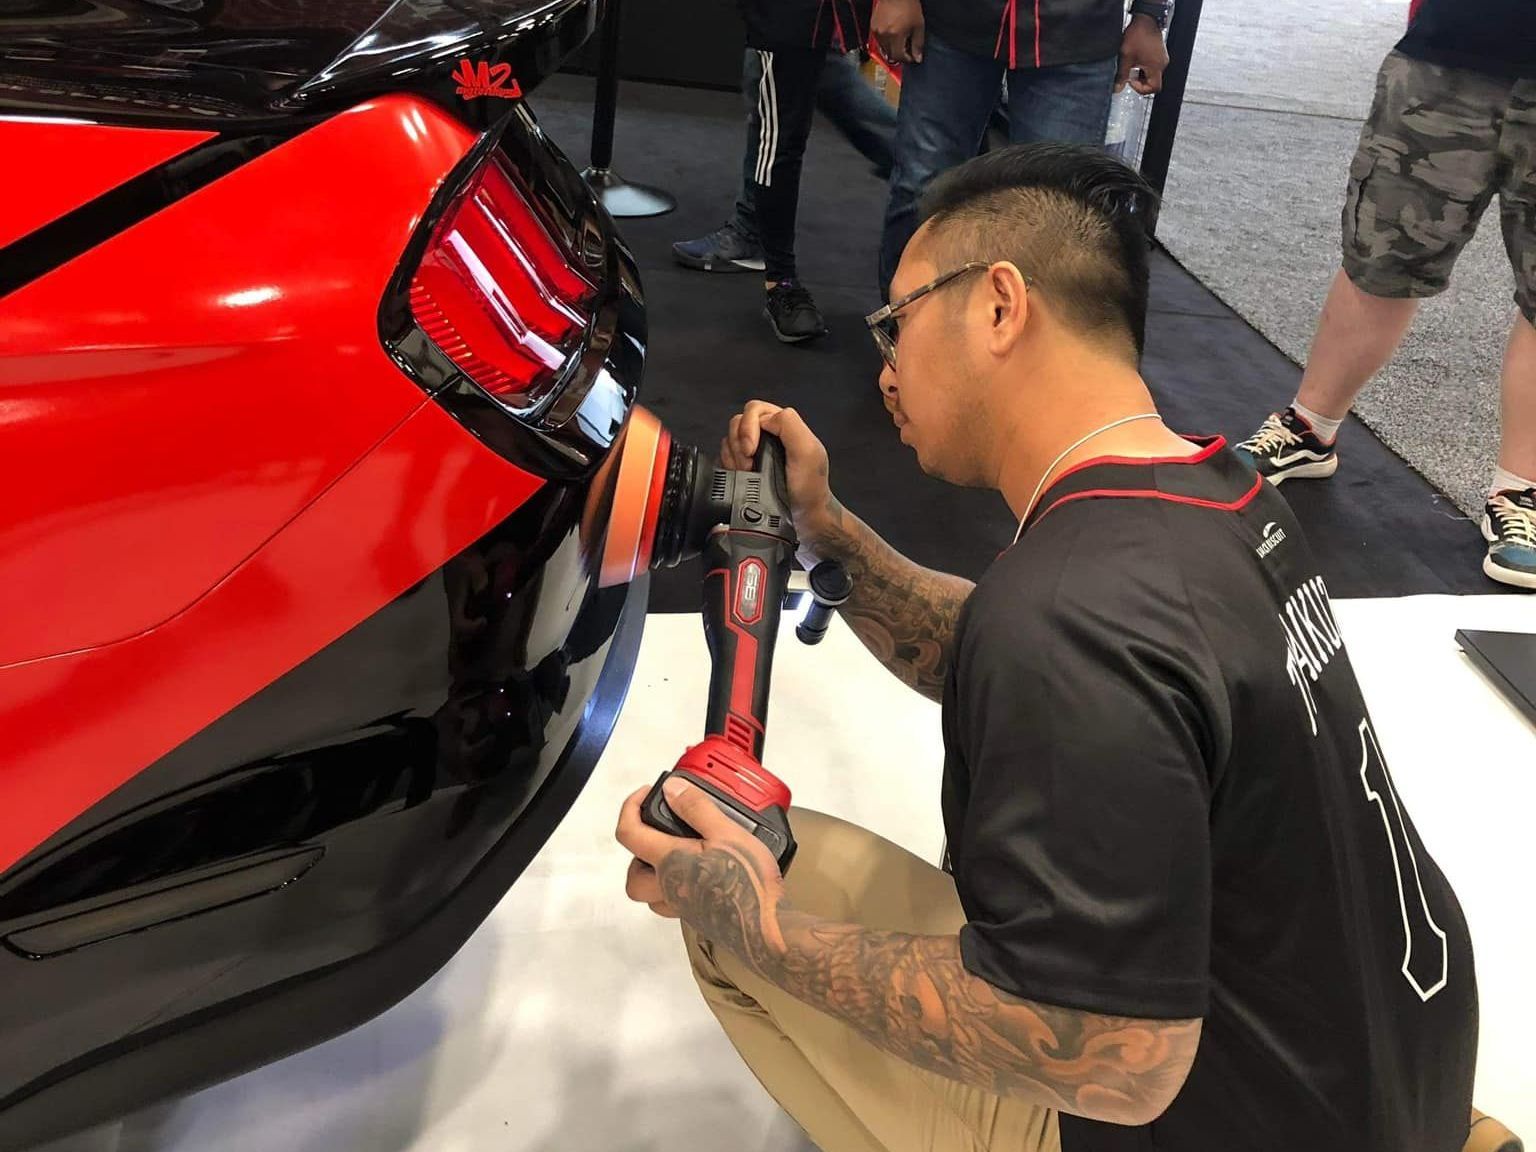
<point>888,381</point>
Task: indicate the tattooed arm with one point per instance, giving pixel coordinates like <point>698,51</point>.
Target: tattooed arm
<point>909,995</point>
<point>903,613</point>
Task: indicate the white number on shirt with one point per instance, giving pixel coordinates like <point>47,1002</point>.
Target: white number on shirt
<point>1426,959</point>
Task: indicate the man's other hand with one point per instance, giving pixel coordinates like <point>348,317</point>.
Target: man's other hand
<point>726,885</point>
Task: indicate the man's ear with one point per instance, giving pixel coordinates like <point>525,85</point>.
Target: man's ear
<point>1010,306</point>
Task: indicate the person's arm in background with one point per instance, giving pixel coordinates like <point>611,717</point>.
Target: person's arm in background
<point>899,29</point>
<point>905,614</point>
<point>1143,56</point>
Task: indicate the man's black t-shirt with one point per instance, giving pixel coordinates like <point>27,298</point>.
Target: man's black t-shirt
<point>1497,37</point>
<point>1164,799</point>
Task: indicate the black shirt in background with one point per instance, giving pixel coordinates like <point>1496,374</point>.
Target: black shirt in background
<point>1164,799</point>
<point>1026,34</point>
<point>1496,37</point>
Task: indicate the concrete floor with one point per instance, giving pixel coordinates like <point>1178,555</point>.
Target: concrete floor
<point>1277,93</point>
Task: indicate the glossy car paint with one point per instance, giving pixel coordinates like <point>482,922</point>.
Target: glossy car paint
<point>63,183</point>
<point>315,655</point>
<point>193,386</point>
<point>229,63</point>
<point>188,394</point>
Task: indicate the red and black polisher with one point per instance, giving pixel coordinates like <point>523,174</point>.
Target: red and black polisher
<point>672,502</point>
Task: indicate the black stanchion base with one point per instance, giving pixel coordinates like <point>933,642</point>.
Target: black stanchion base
<point>626,200</point>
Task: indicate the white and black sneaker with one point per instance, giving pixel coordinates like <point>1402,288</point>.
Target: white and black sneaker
<point>1509,526</point>
<point>1285,447</point>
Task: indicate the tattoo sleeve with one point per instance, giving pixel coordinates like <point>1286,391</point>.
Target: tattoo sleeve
<point>903,613</point>
<point>912,996</point>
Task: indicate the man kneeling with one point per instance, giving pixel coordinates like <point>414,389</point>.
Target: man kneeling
<point>1187,908</point>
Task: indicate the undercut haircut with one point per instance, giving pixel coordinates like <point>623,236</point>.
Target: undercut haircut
<point>1072,218</point>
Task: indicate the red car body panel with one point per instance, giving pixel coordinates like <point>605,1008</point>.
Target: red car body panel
<point>78,726</point>
<point>167,536</point>
<point>63,179</point>
<point>187,418</point>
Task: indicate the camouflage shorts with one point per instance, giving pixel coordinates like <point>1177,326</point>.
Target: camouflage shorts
<point>1439,144</point>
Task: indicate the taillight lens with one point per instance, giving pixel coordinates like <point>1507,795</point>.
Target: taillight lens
<point>496,293</point>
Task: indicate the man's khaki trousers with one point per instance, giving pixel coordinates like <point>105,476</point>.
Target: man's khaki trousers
<point>848,1095</point>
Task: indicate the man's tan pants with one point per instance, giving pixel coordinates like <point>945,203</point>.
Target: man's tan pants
<point>848,1095</point>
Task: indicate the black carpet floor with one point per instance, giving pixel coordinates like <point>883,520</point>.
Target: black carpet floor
<point>1379,528</point>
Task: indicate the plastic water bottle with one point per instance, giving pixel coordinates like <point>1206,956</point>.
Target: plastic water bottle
<point>1127,123</point>
<point>1128,112</point>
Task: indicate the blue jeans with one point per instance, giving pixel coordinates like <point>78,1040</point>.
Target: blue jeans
<point>843,97</point>
<point>946,102</point>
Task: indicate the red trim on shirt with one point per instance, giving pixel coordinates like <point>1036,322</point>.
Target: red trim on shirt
<point>1216,445</point>
<point>1037,33</point>
<point>1149,494</point>
<point>1011,8</point>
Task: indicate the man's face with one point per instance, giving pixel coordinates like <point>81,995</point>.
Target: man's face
<point>932,394</point>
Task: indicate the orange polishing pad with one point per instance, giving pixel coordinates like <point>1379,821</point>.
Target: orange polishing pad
<point>636,499</point>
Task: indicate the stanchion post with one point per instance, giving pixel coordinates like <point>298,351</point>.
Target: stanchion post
<point>1164,123</point>
<point>621,198</point>
<point>606,110</point>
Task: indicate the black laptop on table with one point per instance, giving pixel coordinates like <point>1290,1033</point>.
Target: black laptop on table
<point>1509,660</point>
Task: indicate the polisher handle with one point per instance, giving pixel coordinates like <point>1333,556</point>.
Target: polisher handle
<point>746,574</point>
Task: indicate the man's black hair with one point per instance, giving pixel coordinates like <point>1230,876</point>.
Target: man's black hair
<point>1071,217</point>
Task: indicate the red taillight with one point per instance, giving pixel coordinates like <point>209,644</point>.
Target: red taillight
<point>497,294</point>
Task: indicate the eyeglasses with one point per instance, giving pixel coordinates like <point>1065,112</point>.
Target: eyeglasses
<point>884,325</point>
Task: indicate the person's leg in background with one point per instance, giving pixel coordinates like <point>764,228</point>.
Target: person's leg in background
<point>858,111</point>
<point>745,213</point>
<point>1068,103</point>
<point>854,108</point>
<point>1417,189</point>
<point>1509,518</point>
<point>1357,334</point>
<point>734,246</point>
<point>945,103</point>
<point>848,1095</point>
<point>786,104</point>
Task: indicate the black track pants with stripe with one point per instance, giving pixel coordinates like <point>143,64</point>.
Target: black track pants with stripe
<point>779,110</point>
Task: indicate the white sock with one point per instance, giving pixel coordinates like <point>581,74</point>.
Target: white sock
<point>1506,481</point>
<point>1327,430</point>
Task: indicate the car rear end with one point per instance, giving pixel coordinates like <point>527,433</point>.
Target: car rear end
<point>317,656</point>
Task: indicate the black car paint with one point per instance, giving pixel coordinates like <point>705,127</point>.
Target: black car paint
<point>224,63</point>
<point>390,770</point>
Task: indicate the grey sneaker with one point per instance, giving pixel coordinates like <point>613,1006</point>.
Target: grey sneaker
<point>726,249</point>
<point>1509,526</point>
<point>1285,448</point>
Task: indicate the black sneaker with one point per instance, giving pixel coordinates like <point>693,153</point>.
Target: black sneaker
<point>1509,526</point>
<point>1285,447</point>
<point>793,313</point>
<point>726,249</point>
